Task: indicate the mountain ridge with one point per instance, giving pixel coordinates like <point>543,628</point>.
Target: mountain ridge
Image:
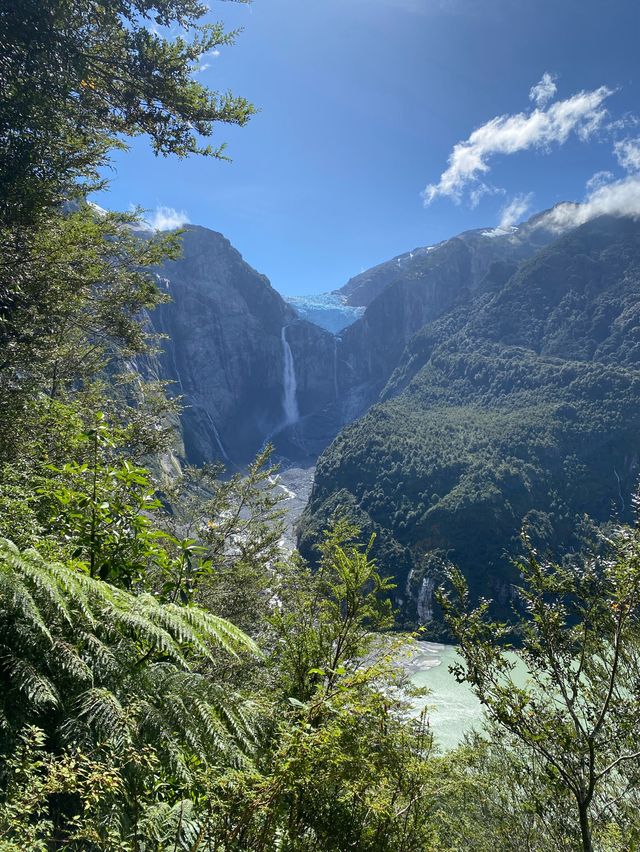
<point>476,434</point>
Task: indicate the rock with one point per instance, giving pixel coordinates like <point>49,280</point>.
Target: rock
<point>223,352</point>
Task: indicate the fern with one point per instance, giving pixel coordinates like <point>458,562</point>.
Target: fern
<point>91,664</point>
<point>171,826</point>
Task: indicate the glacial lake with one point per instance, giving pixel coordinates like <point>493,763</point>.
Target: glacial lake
<point>453,709</point>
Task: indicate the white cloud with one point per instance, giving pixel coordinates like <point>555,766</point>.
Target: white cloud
<point>482,189</point>
<point>628,154</point>
<point>544,90</point>
<point>625,122</point>
<point>598,179</point>
<point>605,196</point>
<point>167,219</point>
<point>508,134</point>
<point>514,211</point>
<point>619,198</point>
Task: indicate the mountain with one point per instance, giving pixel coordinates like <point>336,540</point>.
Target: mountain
<point>412,290</point>
<point>516,402</point>
<point>233,347</point>
<point>228,336</point>
<point>362,289</point>
<point>488,382</point>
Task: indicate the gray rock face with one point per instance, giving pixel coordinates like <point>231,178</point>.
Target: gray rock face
<point>224,354</point>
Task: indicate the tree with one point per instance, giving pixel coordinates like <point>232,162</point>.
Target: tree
<point>228,530</point>
<point>579,711</point>
<point>77,79</point>
<point>342,766</point>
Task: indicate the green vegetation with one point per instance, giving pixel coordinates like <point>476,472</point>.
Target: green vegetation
<point>168,680</point>
<point>518,409</point>
<point>577,717</point>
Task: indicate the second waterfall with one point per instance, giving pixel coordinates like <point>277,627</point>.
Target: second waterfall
<point>290,403</point>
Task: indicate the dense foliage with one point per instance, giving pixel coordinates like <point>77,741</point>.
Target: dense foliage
<point>521,407</point>
<point>577,715</point>
<point>170,679</point>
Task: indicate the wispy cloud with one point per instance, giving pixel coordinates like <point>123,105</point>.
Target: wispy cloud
<point>628,154</point>
<point>540,128</point>
<point>166,219</point>
<point>515,210</point>
<point>624,122</point>
<point>204,66</point>
<point>544,90</point>
<point>598,179</point>
<point>478,193</point>
<point>619,198</point>
<point>604,195</point>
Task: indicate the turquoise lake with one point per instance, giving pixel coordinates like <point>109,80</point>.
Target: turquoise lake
<point>453,709</point>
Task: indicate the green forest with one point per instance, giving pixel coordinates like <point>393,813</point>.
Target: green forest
<point>169,679</point>
<point>517,410</point>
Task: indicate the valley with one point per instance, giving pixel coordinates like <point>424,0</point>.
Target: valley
<point>472,388</point>
<point>345,558</point>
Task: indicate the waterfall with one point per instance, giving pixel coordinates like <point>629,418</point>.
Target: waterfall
<point>336,342</point>
<point>424,603</point>
<point>216,435</point>
<point>289,402</point>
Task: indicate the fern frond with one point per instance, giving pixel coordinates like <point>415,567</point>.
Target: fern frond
<point>171,826</point>
<point>102,711</point>
<point>126,666</point>
<point>65,658</point>
<point>29,566</point>
<point>34,687</point>
<point>217,631</point>
<point>17,602</point>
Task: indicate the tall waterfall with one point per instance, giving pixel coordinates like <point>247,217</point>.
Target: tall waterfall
<point>216,435</point>
<point>336,343</point>
<point>289,402</point>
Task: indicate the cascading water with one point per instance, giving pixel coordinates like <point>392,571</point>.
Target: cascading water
<point>289,402</point>
<point>216,435</point>
<point>336,343</point>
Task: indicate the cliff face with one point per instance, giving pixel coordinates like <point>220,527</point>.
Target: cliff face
<point>412,290</point>
<point>224,350</point>
<point>225,353</point>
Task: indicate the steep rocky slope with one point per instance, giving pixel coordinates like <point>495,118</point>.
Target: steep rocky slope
<point>520,404</point>
<point>416,288</point>
<point>225,354</point>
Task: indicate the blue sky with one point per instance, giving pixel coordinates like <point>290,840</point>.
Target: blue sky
<point>362,103</point>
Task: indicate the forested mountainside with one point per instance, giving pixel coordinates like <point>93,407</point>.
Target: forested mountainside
<point>520,406</point>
